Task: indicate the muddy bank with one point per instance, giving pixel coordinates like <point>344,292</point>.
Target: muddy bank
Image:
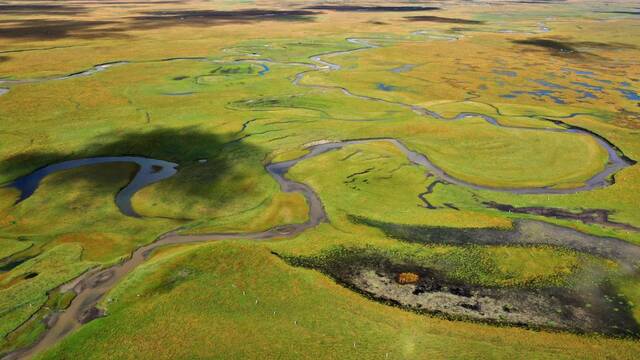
<point>524,232</point>
<point>588,216</point>
<point>594,308</point>
<point>149,172</point>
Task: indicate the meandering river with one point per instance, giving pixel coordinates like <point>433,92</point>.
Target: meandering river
<point>93,285</point>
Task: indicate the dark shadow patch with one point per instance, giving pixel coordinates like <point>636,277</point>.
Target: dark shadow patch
<point>620,12</point>
<point>553,46</point>
<point>355,8</point>
<point>589,216</point>
<point>438,19</point>
<point>21,164</point>
<point>30,275</point>
<point>48,29</point>
<point>12,264</point>
<point>41,9</point>
<point>4,58</point>
<point>41,29</point>
<point>157,19</point>
<point>577,49</point>
<point>524,233</point>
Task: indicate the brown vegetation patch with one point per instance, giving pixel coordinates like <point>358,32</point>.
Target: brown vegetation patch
<point>627,119</point>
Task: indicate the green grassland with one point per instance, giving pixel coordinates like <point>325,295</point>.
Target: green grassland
<point>248,296</point>
<point>223,104</point>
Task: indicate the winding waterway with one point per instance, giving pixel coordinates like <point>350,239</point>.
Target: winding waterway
<point>616,160</point>
<point>93,285</point>
<point>149,172</point>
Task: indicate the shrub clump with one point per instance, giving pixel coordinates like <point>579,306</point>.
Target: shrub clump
<point>408,278</point>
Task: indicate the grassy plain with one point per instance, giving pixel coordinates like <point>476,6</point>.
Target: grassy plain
<point>215,93</point>
<point>249,296</point>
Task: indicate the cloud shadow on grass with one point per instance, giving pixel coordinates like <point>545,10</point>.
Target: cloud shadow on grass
<point>42,9</point>
<point>158,19</point>
<point>49,29</point>
<point>52,29</point>
<point>203,158</point>
<point>571,49</point>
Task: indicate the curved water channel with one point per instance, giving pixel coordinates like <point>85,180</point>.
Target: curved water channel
<point>616,160</point>
<point>149,172</point>
<point>93,285</point>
